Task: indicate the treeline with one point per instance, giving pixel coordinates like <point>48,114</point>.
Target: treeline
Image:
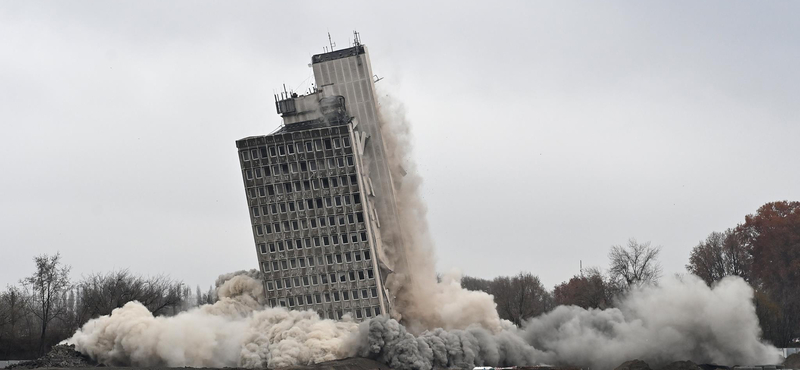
<point>764,250</point>
<point>47,307</point>
<point>523,296</point>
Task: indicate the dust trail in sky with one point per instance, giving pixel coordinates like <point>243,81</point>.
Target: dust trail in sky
<point>421,301</point>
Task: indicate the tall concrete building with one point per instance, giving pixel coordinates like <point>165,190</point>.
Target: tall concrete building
<point>320,193</point>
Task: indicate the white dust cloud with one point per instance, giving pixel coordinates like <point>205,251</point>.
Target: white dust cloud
<point>681,319</point>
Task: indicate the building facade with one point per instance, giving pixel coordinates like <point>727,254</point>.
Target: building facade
<point>320,194</point>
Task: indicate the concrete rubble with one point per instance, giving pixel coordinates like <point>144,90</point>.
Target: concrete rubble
<point>61,355</point>
<point>353,363</point>
<point>65,356</point>
<point>637,364</point>
<point>792,362</point>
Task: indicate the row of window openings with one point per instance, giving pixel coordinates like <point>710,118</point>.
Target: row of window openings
<point>297,186</point>
<point>299,147</point>
<point>297,167</point>
<point>367,311</point>
<point>323,279</point>
<point>339,314</point>
<point>297,225</point>
<point>301,262</point>
<point>328,297</point>
<point>317,242</point>
<point>302,205</point>
<point>306,223</point>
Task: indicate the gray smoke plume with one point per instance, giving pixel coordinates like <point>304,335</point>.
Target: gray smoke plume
<point>681,319</point>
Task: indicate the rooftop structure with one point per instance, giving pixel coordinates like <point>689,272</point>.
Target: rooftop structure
<point>320,194</point>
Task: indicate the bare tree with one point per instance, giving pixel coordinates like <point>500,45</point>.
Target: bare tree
<point>589,290</point>
<point>476,284</point>
<point>520,297</point>
<point>211,296</point>
<point>720,255</point>
<point>102,293</point>
<point>199,301</point>
<point>47,285</point>
<point>634,264</point>
<point>13,304</point>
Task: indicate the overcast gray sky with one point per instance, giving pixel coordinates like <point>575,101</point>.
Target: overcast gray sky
<point>546,131</point>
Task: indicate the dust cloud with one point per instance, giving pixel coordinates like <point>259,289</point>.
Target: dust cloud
<point>680,319</point>
<point>235,331</point>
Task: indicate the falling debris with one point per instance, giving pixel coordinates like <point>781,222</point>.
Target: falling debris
<point>62,355</point>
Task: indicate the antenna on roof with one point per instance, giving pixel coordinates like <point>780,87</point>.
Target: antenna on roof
<point>330,41</point>
<point>356,38</point>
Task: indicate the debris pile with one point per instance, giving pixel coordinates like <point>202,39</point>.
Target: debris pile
<point>353,363</point>
<point>792,362</point>
<point>688,365</point>
<point>62,355</point>
<point>633,365</point>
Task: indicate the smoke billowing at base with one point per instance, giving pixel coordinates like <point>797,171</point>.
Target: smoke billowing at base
<point>681,319</point>
<point>443,325</point>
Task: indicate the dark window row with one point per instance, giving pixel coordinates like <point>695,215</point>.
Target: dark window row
<point>311,261</point>
<point>298,167</point>
<point>317,241</point>
<point>307,204</point>
<point>328,297</point>
<point>313,223</point>
<point>310,280</point>
<point>359,313</point>
<point>305,185</point>
<point>307,146</point>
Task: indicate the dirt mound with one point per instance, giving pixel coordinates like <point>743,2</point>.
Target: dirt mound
<point>713,367</point>
<point>633,365</point>
<point>681,365</point>
<point>792,362</point>
<point>353,363</point>
<point>62,355</point>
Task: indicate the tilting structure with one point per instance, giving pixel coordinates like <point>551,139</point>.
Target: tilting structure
<point>320,193</point>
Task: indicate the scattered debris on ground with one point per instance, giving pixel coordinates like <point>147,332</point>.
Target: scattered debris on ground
<point>688,365</point>
<point>633,365</point>
<point>681,365</point>
<point>353,363</point>
<point>62,355</point>
<point>713,367</point>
